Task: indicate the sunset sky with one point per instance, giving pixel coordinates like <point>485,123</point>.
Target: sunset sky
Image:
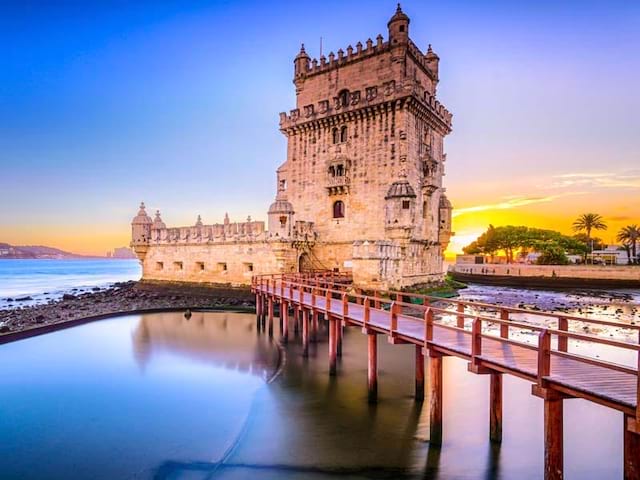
<point>176,104</point>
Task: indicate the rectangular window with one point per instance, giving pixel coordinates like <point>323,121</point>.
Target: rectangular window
<point>177,265</point>
<point>248,267</point>
<point>406,204</point>
<point>222,267</point>
<point>200,266</point>
<point>159,265</point>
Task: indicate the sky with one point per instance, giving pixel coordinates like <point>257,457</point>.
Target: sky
<point>105,104</point>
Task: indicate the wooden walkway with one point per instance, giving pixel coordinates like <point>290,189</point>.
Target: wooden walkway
<point>437,330</point>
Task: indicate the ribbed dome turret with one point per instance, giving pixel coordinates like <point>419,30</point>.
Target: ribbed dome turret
<point>444,202</point>
<point>399,15</point>
<point>157,222</point>
<point>142,218</point>
<point>431,55</point>
<point>281,205</point>
<point>400,189</point>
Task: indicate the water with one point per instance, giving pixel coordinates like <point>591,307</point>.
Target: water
<point>159,396</point>
<point>49,279</point>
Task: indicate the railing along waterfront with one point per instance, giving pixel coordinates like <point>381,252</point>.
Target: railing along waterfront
<point>556,372</point>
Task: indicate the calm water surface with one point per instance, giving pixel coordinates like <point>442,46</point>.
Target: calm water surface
<point>159,396</point>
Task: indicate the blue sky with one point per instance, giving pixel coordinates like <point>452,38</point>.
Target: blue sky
<point>176,103</point>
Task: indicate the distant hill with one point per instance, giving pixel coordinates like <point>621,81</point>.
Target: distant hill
<point>8,251</point>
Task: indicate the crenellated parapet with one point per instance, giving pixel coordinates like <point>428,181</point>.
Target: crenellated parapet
<point>373,97</point>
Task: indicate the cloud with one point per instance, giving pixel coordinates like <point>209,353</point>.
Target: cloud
<point>510,202</point>
<point>626,179</point>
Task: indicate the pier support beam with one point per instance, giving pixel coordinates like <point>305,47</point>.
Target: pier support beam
<point>372,367</point>
<point>305,332</point>
<point>271,316</point>
<point>314,326</point>
<point>333,345</point>
<point>435,396</point>
<point>631,448</point>
<point>339,334</point>
<point>553,433</point>
<point>495,408</point>
<point>284,313</point>
<point>419,396</point>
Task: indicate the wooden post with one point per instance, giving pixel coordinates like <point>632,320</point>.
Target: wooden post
<point>553,449</point>
<point>372,367</point>
<point>544,357</point>
<point>495,408</point>
<point>258,304</point>
<point>367,312</point>
<point>563,342</point>
<point>333,345</point>
<point>314,326</point>
<point>339,335</point>
<point>419,395</point>
<point>305,332</point>
<point>393,320</point>
<point>476,341</point>
<point>631,450</point>
<point>435,395</point>
<point>270,315</point>
<point>460,318</point>
<point>285,321</point>
<point>504,329</point>
<point>376,300</point>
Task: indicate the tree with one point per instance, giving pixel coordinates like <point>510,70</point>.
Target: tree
<point>588,222</point>
<point>519,239</point>
<point>629,236</point>
<point>551,253</point>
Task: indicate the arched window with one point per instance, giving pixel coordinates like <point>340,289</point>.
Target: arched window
<point>336,136</point>
<point>343,134</point>
<point>338,209</point>
<point>343,98</point>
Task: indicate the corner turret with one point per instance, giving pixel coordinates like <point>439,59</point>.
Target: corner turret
<point>432,60</point>
<point>141,232</point>
<point>301,64</point>
<point>398,28</point>
<point>281,217</point>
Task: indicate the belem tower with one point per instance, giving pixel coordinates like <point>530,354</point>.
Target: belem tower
<point>360,191</point>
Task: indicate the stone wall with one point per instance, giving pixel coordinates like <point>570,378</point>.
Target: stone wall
<point>551,271</point>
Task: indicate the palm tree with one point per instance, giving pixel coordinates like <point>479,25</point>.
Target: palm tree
<point>588,222</point>
<point>630,235</point>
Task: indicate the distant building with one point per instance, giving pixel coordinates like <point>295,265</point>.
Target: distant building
<point>123,253</point>
<point>361,189</point>
<point>611,255</point>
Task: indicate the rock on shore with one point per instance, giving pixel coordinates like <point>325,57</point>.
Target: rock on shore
<point>124,297</point>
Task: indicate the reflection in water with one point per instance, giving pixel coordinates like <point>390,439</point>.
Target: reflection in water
<point>192,403</point>
<point>224,342</point>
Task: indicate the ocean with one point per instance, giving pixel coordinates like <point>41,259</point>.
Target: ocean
<point>44,280</point>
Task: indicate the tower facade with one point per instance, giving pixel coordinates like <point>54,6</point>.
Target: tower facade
<point>361,188</point>
<point>365,158</point>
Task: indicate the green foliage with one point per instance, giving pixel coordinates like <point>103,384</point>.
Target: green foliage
<point>588,222</point>
<point>520,239</point>
<point>552,253</point>
<point>629,236</point>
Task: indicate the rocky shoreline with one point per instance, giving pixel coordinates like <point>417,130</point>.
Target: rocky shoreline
<point>122,298</point>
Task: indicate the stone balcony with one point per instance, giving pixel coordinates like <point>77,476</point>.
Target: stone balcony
<point>338,184</point>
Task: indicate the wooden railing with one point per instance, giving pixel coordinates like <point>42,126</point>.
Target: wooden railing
<point>470,323</point>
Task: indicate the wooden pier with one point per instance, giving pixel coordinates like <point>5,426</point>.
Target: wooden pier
<point>454,328</point>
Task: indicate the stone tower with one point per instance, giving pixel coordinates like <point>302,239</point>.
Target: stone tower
<point>365,158</point>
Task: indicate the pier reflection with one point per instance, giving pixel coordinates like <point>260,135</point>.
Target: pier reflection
<point>224,340</point>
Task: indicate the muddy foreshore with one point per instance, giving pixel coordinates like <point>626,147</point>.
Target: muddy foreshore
<point>122,298</point>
